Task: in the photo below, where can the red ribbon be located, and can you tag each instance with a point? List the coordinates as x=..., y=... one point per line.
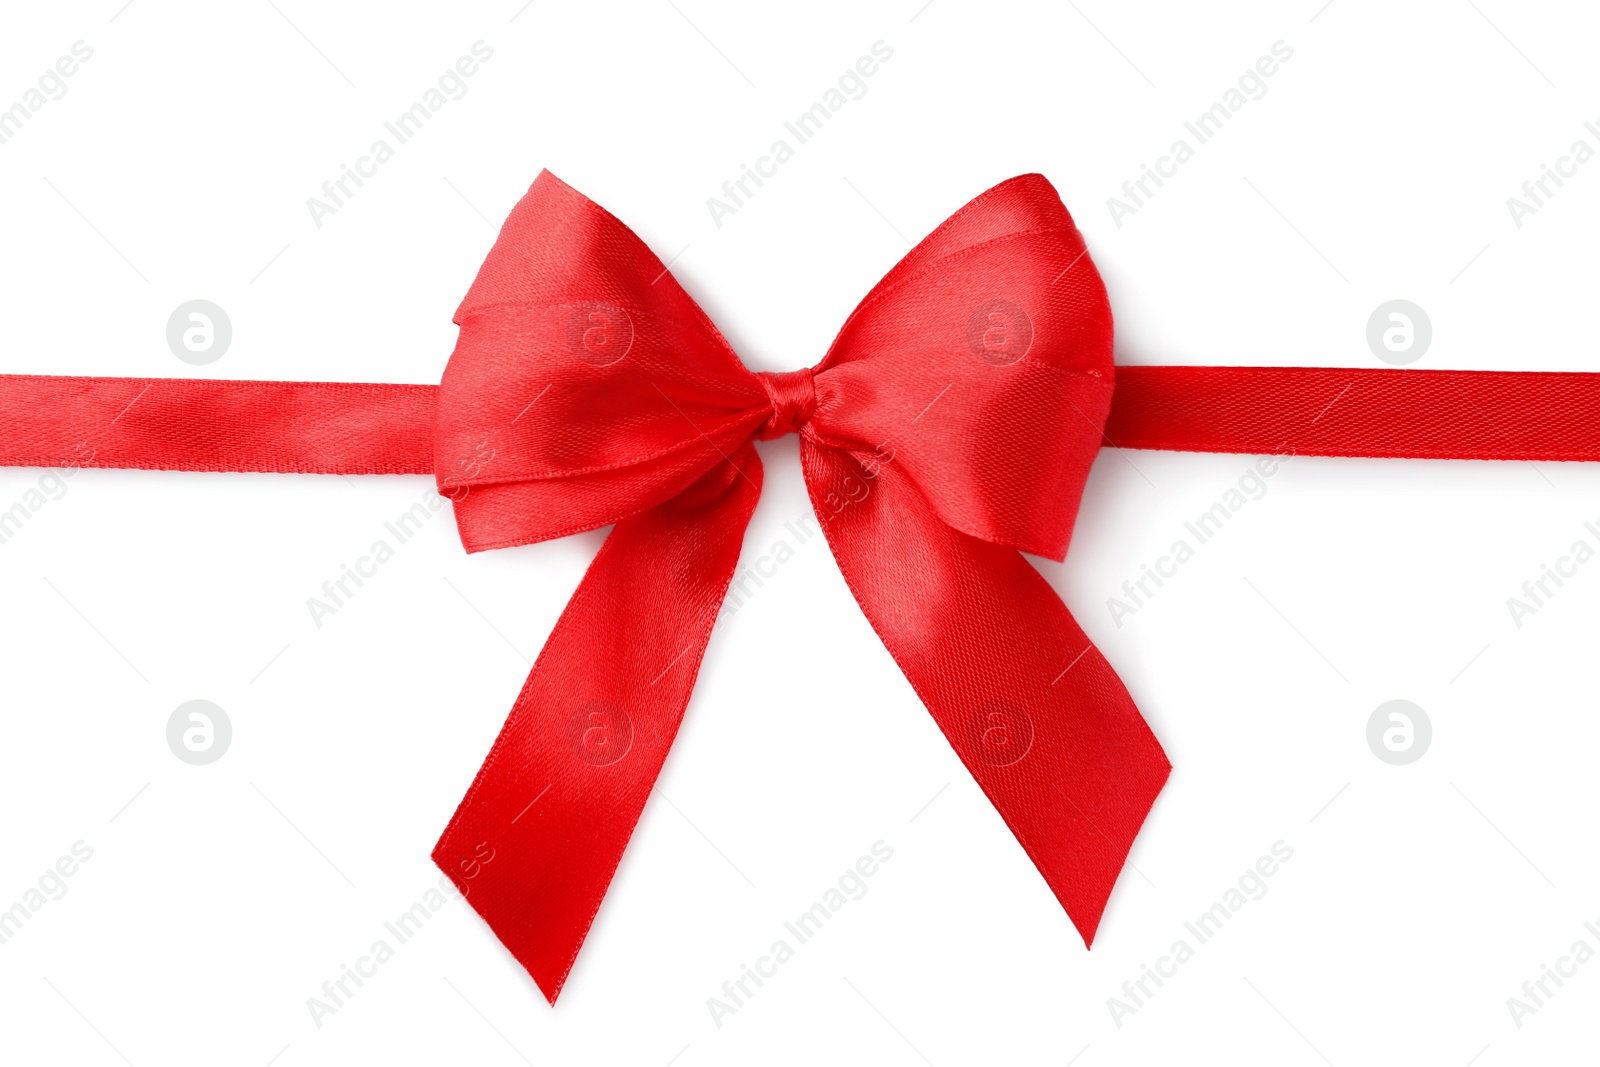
x=949, y=429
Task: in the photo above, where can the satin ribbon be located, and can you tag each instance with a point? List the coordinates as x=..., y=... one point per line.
x=950, y=428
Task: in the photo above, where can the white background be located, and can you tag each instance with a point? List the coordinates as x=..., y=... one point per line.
x=219, y=898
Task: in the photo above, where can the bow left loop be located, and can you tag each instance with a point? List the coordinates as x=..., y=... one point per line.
x=586, y=386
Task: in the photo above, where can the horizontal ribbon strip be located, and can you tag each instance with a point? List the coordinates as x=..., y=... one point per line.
x=196, y=425
x=1329, y=411
x=370, y=428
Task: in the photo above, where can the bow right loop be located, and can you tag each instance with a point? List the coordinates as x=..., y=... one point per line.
x=982, y=364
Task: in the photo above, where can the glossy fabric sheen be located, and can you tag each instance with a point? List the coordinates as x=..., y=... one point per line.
x=950, y=427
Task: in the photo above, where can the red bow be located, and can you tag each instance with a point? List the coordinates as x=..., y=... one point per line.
x=949, y=429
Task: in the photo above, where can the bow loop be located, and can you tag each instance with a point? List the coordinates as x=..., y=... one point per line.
x=585, y=386
x=981, y=366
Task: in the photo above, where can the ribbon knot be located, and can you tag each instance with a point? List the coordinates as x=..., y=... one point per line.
x=793, y=395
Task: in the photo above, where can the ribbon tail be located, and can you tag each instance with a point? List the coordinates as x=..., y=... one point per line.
x=1034, y=711
x=537, y=839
